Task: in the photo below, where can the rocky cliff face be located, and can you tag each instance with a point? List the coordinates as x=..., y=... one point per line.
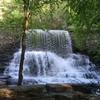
x=8, y=45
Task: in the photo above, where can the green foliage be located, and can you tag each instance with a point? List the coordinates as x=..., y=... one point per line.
x=82, y=17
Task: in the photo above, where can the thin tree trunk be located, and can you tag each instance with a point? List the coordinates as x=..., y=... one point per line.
x=23, y=44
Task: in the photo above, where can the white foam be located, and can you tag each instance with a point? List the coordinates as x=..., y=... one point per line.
x=47, y=67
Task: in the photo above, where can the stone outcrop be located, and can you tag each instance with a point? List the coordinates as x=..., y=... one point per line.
x=40, y=92
x=8, y=45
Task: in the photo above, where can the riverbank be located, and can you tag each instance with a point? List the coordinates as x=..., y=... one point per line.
x=44, y=92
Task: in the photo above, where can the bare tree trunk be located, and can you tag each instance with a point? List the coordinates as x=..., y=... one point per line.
x=23, y=44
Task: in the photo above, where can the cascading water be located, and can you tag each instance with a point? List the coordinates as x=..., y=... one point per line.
x=49, y=59
x=57, y=41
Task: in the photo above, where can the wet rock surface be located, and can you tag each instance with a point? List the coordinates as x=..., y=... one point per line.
x=86, y=88
x=4, y=80
x=41, y=92
x=58, y=88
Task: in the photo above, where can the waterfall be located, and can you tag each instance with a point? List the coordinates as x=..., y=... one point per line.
x=49, y=59
x=57, y=41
